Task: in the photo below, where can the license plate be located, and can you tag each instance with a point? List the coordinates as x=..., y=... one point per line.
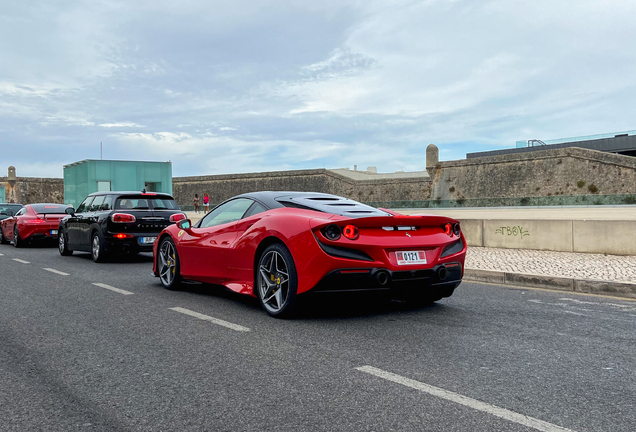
x=53, y=232
x=147, y=240
x=410, y=257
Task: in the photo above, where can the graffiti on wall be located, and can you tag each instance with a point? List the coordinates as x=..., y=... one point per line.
x=513, y=231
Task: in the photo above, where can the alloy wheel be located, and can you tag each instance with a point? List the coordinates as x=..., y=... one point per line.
x=167, y=263
x=273, y=281
x=60, y=242
x=96, y=247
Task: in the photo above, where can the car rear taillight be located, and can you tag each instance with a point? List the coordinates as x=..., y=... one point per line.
x=177, y=217
x=332, y=232
x=123, y=236
x=122, y=218
x=350, y=232
x=34, y=221
x=448, y=229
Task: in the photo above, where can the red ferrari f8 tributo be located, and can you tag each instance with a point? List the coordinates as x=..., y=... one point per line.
x=279, y=245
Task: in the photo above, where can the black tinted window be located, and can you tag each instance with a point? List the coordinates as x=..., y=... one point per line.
x=9, y=207
x=97, y=203
x=49, y=208
x=84, y=205
x=108, y=202
x=132, y=202
x=164, y=204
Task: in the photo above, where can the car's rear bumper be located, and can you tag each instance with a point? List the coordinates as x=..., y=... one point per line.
x=117, y=245
x=441, y=277
x=39, y=233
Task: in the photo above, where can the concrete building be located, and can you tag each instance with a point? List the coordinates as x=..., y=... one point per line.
x=623, y=143
x=88, y=176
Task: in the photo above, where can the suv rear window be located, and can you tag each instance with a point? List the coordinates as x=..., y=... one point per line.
x=49, y=208
x=145, y=203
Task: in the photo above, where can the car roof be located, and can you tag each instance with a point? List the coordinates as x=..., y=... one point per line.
x=13, y=204
x=159, y=194
x=322, y=202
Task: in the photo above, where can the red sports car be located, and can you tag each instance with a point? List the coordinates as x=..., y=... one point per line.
x=32, y=222
x=278, y=245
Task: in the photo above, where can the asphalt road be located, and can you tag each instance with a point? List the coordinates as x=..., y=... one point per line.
x=78, y=356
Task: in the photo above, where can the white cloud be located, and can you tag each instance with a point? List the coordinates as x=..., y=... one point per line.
x=252, y=85
x=120, y=125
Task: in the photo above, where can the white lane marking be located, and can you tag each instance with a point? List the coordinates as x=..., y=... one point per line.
x=1, y=254
x=56, y=271
x=21, y=261
x=466, y=401
x=211, y=319
x=108, y=287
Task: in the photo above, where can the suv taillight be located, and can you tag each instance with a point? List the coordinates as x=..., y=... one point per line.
x=122, y=218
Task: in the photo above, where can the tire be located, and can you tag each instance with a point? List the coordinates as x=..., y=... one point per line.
x=277, y=281
x=97, y=248
x=17, y=241
x=168, y=264
x=2, y=239
x=62, y=244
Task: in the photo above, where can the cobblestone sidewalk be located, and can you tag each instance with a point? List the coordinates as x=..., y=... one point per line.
x=565, y=264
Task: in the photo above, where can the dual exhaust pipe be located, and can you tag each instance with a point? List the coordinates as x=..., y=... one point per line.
x=383, y=277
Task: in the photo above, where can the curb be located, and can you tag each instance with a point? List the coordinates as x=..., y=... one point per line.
x=555, y=283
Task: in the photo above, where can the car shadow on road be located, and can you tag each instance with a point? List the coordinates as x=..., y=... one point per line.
x=322, y=306
x=123, y=258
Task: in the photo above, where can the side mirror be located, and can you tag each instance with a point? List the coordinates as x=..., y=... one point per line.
x=184, y=224
x=69, y=211
x=9, y=213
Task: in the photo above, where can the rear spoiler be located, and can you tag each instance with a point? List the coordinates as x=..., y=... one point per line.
x=381, y=221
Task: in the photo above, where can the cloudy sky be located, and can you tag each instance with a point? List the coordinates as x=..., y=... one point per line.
x=257, y=85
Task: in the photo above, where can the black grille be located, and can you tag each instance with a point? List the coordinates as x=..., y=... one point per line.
x=341, y=252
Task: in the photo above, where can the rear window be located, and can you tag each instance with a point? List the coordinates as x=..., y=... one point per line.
x=164, y=204
x=49, y=208
x=145, y=203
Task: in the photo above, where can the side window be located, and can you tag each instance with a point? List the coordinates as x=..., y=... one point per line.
x=229, y=212
x=255, y=209
x=85, y=205
x=97, y=203
x=108, y=202
x=21, y=211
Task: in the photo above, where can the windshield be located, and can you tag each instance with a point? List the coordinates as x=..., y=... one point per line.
x=49, y=208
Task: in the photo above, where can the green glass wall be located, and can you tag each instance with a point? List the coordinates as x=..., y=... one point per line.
x=2, y=197
x=88, y=176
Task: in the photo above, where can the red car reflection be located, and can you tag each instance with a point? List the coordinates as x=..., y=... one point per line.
x=32, y=222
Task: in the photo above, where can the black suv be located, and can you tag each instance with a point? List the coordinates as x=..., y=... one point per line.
x=110, y=222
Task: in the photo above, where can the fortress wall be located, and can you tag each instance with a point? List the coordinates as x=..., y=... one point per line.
x=222, y=187
x=540, y=173
x=29, y=190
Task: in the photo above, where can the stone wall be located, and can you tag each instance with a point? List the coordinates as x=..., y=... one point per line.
x=30, y=190
x=222, y=187
x=568, y=171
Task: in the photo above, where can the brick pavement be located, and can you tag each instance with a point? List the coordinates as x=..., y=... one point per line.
x=565, y=264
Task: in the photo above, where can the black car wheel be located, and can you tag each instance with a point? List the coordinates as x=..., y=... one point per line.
x=2, y=239
x=97, y=248
x=168, y=264
x=62, y=244
x=277, y=281
x=17, y=241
